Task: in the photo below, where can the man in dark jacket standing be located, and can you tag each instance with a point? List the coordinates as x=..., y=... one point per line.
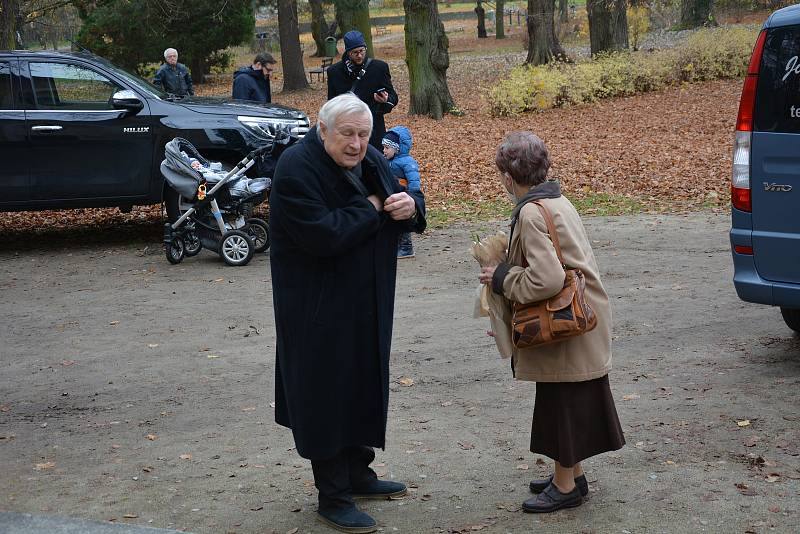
x=252, y=83
x=335, y=216
x=173, y=77
x=368, y=78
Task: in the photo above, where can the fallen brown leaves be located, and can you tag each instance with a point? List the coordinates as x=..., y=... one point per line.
x=668, y=150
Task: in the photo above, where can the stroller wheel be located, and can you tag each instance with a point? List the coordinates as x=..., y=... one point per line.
x=258, y=230
x=192, y=244
x=236, y=248
x=175, y=250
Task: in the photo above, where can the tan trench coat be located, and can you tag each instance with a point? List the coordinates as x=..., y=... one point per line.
x=576, y=359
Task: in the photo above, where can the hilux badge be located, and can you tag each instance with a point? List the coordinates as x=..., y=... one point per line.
x=141, y=129
x=783, y=188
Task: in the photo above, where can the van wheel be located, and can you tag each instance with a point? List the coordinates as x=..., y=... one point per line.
x=792, y=318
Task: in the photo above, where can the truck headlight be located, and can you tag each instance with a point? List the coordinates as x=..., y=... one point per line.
x=266, y=127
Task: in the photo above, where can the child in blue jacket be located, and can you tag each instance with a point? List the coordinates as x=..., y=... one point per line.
x=397, y=149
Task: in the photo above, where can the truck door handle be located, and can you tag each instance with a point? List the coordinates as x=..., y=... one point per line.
x=46, y=128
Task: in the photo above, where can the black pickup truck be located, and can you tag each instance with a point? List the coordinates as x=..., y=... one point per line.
x=77, y=131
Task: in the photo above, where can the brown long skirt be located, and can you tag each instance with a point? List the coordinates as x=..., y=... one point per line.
x=573, y=421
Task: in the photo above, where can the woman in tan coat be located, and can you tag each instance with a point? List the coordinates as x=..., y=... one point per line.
x=574, y=416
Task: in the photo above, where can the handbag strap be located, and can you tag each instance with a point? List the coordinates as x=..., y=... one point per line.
x=551, y=229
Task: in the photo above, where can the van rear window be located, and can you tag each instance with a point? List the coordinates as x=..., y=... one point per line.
x=778, y=93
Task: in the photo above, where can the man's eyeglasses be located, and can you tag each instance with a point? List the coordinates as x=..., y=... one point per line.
x=358, y=52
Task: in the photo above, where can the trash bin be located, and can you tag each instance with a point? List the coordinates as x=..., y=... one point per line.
x=330, y=46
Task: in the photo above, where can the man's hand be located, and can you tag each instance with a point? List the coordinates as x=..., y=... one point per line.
x=400, y=206
x=486, y=274
x=376, y=202
x=382, y=97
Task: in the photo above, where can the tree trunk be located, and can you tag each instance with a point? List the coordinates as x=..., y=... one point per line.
x=695, y=13
x=294, y=72
x=543, y=46
x=354, y=15
x=608, y=25
x=427, y=59
x=563, y=10
x=499, y=13
x=319, y=27
x=197, y=69
x=481, y=13
x=8, y=24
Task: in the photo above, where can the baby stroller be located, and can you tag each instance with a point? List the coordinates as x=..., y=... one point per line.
x=220, y=217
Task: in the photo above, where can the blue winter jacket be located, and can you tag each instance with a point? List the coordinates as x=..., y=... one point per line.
x=249, y=84
x=402, y=165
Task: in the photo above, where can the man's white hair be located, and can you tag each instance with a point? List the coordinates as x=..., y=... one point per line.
x=346, y=104
x=168, y=51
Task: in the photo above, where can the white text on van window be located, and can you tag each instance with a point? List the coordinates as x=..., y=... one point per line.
x=791, y=67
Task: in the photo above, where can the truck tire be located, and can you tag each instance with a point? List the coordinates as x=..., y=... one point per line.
x=792, y=318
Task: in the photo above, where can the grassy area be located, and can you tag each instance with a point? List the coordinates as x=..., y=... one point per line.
x=594, y=204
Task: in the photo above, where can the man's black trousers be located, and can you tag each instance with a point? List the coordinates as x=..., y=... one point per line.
x=338, y=477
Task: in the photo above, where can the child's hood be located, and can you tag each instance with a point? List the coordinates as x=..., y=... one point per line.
x=405, y=140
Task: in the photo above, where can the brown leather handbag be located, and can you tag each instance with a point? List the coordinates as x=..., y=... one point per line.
x=562, y=316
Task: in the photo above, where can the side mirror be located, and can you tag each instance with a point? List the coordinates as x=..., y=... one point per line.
x=127, y=100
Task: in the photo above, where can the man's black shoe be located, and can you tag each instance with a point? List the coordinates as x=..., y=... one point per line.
x=551, y=500
x=349, y=519
x=380, y=489
x=538, y=486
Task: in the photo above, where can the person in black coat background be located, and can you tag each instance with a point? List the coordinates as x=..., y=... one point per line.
x=369, y=79
x=335, y=216
x=252, y=83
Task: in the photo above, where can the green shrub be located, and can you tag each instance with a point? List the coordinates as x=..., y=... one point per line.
x=708, y=54
x=638, y=24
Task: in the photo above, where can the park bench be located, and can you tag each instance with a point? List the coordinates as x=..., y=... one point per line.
x=320, y=71
x=382, y=30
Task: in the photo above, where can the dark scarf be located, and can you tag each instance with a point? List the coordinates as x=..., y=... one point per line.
x=548, y=189
x=355, y=71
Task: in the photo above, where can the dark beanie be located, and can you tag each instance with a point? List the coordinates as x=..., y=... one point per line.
x=391, y=139
x=353, y=39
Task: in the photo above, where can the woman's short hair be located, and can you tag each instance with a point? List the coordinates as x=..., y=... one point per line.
x=346, y=104
x=525, y=157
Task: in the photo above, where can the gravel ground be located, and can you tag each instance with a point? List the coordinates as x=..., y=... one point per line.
x=139, y=392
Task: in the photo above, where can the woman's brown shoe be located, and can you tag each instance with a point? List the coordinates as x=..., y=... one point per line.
x=551, y=500
x=538, y=486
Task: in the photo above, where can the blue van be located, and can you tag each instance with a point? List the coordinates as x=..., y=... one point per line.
x=765, y=184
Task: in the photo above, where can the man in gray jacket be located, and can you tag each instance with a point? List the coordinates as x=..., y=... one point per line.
x=173, y=77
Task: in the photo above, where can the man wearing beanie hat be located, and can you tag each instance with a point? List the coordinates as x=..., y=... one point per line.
x=367, y=78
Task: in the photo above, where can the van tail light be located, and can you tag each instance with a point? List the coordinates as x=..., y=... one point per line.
x=739, y=249
x=740, y=179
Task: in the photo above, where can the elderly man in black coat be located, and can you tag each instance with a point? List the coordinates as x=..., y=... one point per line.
x=335, y=216
x=367, y=78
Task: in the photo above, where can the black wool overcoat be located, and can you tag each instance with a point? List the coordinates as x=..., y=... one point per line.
x=376, y=77
x=334, y=260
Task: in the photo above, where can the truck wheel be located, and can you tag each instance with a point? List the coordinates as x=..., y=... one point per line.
x=792, y=318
